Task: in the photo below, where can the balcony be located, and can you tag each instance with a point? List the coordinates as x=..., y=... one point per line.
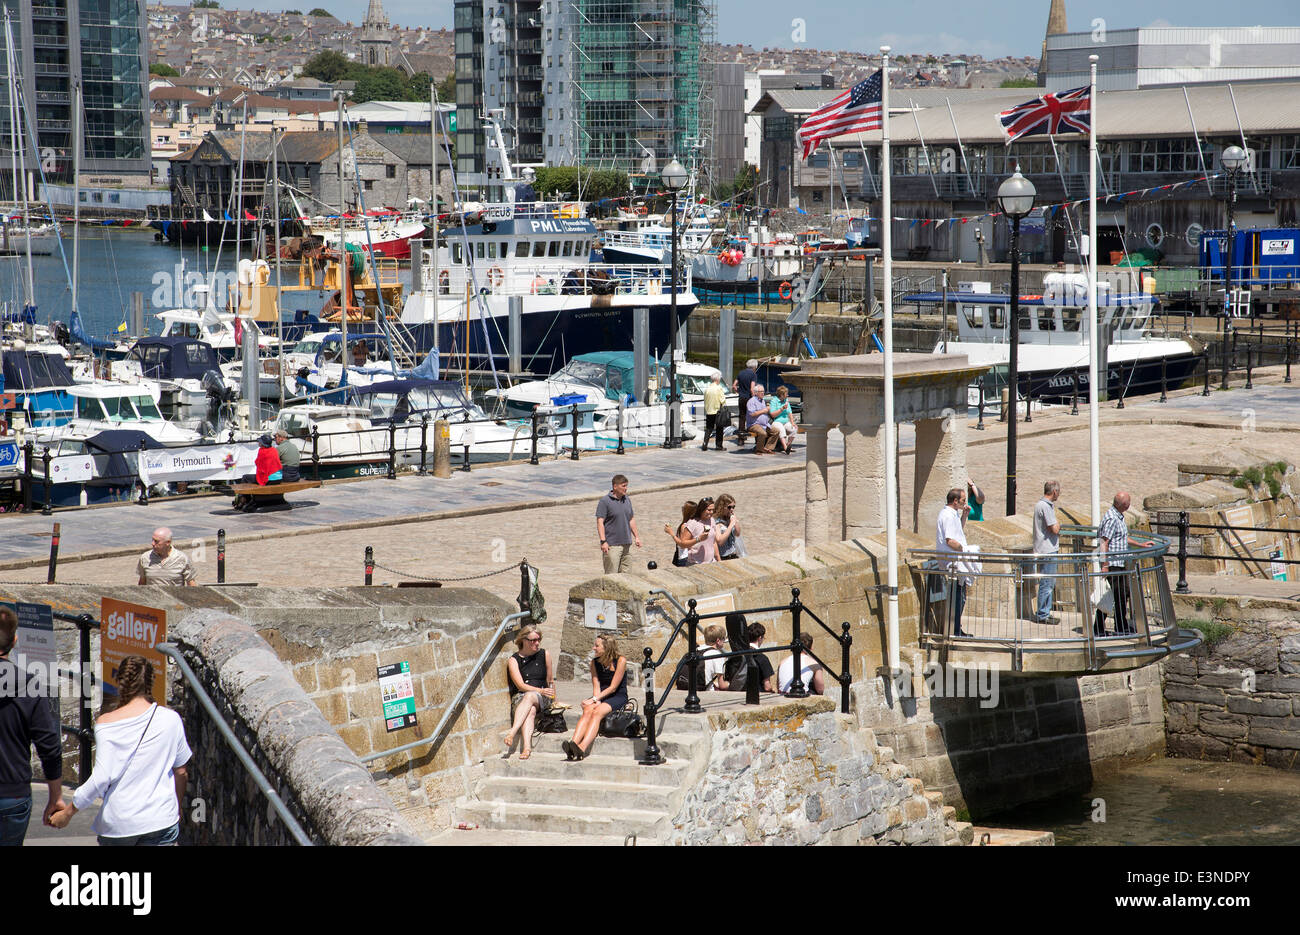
x=982, y=610
x=44, y=41
x=51, y=68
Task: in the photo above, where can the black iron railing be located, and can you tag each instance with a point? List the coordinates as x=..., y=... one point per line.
x=693, y=660
x=1230, y=534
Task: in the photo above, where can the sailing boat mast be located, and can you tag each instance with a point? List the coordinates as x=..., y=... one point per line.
x=343, y=255
x=76, y=196
x=20, y=151
x=275, y=235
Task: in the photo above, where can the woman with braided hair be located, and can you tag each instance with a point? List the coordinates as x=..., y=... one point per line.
x=140, y=757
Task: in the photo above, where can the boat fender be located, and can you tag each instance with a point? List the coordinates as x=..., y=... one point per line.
x=785, y=290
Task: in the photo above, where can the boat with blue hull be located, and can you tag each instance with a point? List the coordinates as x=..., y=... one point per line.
x=533, y=253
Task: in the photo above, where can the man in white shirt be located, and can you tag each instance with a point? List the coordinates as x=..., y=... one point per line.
x=1047, y=542
x=950, y=538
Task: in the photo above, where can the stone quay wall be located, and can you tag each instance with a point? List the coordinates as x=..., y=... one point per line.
x=1238, y=698
x=1044, y=736
x=801, y=773
x=322, y=782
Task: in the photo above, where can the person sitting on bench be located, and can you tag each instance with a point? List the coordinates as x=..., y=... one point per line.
x=290, y=457
x=269, y=470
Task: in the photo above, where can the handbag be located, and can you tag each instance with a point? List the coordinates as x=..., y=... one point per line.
x=623, y=723
x=1104, y=599
x=550, y=722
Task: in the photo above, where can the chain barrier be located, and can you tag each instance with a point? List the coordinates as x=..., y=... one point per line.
x=408, y=574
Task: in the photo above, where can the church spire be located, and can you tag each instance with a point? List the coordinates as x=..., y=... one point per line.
x=375, y=14
x=1055, y=25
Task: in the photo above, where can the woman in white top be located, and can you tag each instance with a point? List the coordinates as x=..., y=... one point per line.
x=140, y=757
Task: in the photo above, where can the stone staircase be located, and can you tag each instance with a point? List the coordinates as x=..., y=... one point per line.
x=608, y=798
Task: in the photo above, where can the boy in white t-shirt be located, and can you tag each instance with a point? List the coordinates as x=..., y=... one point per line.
x=715, y=638
x=810, y=670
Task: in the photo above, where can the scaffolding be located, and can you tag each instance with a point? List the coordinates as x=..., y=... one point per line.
x=640, y=82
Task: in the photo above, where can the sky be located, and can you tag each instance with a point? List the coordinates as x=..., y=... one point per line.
x=1012, y=27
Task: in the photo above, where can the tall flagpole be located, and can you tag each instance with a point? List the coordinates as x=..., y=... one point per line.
x=1094, y=453
x=891, y=440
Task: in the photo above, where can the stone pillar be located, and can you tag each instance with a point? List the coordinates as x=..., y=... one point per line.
x=864, y=481
x=817, y=513
x=940, y=465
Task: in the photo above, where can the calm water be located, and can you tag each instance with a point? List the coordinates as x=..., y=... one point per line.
x=114, y=263
x=1170, y=801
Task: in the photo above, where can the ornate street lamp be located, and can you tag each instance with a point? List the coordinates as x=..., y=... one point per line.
x=674, y=178
x=1016, y=199
x=1233, y=160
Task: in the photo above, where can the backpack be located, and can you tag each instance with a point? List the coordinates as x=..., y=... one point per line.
x=701, y=681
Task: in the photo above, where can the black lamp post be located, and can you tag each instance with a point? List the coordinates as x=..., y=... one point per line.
x=674, y=177
x=1016, y=199
x=1233, y=159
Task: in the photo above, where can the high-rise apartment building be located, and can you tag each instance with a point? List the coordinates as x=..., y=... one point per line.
x=101, y=45
x=610, y=84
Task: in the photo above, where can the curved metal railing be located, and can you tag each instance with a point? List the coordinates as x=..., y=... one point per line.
x=993, y=600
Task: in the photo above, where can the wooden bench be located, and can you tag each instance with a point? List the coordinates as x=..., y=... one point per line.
x=270, y=494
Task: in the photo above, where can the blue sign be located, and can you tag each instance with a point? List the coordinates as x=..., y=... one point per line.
x=9, y=455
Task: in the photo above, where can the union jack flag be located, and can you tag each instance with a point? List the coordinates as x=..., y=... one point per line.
x=849, y=111
x=1067, y=112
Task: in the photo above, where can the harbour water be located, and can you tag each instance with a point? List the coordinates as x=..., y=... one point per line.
x=1171, y=802
x=116, y=262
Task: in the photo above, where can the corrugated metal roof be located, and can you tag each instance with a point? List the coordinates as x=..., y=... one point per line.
x=1267, y=108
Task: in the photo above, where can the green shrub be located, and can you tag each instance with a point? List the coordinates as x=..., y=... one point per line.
x=1211, y=631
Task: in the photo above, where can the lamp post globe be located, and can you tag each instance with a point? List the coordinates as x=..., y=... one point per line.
x=1016, y=199
x=1233, y=158
x=674, y=178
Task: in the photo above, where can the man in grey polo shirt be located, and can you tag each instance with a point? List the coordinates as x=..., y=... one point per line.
x=1047, y=535
x=616, y=527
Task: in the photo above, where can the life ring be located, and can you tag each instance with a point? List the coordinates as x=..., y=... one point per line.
x=444, y=279
x=496, y=277
x=785, y=290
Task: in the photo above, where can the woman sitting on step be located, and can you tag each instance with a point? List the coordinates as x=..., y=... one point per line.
x=532, y=688
x=608, y=693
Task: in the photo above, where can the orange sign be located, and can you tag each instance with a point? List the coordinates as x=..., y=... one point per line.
x=8, y=401
x=132, y=630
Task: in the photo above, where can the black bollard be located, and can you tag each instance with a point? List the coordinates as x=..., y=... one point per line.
x=54, y=555
x=370, y=565
x=979, y=426
x=1287, y=378
x=315, y=452
x=29, y=452
x=1029, y=406
x=573, y=454
x=846, y=643
x=1164, y=386
x=424, y=441
x=532, y=459
x=1074, y=392
x=692, y=705
x=620, y=450
x=221, y=556
x=144, y=488
x=1206, y=391
x=465, y=467
x=46, y=509
x=392, y=451
x=1250, y=383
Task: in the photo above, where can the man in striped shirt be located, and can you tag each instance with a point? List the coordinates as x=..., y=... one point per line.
x=1112, y=543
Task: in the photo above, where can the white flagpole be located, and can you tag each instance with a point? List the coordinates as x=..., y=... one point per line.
x=1094, y=452
x=891, y=462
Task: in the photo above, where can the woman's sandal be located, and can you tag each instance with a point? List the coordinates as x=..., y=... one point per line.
x=526, y=754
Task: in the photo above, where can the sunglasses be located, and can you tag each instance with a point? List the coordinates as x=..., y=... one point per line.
x=532, y=639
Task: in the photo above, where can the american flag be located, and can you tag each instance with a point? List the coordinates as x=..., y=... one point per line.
x=1067, y=112
x=852, y=111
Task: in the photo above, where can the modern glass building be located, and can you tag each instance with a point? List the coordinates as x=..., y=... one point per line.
x=101, y=45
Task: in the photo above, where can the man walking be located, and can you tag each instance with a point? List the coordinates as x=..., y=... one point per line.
x=1112, y=543
x=26, y=720
x=163, y=564
x=616, y=527
x=714, y=397
x=1047, y=537
x=742, y=386
x=950, y=538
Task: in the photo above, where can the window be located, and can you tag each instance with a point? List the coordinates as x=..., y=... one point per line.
x=550, y=139
x=390, y=172
x=974, y=315
x=456, y=254
x=1046, y=320
x=521, y=248
x=492, y=250
x=561, y=116
x=997, y=316
x=568, y=248
x=555, y=248
x=369, y=185
x=478, y=250
x=539, y=248
x=561, y=87
x=1071, y=316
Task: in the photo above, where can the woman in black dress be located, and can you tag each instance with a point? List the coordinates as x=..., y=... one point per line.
x=532, y=688
x=608, y=693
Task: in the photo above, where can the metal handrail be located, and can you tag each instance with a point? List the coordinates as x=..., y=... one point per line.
x=172, y=651
x=475, y=673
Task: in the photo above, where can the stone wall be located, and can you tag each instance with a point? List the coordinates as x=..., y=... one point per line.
x=800, y=773
x=1042, y=738
x=1239, y=698
x=322, y=782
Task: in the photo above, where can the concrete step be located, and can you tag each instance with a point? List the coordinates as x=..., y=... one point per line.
x=562, y=819
x=577, y=791
x=599, y=767
x=674, y=745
